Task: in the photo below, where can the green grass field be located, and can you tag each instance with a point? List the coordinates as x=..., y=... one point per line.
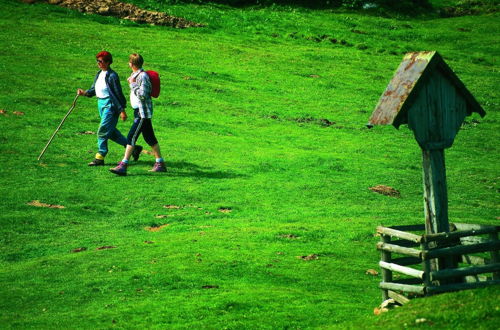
x=262, y=123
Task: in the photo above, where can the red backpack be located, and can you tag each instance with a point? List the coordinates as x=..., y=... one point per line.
x=155, y=83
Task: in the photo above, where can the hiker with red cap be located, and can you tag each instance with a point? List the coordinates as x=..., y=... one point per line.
x=111, y=105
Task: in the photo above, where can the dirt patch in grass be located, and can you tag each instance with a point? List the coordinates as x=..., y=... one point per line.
x=172, y=207
x=37, y=203
x=156, y=228
x=162, y=216
x=386, y=190
x=309, y=257
x=106, y=247
x=289, y=236
x=225, y=210
x=17, y=113
x=125, y=11
x=80, y=249
x=86, y=133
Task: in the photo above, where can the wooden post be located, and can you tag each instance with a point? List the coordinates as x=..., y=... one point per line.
x=386, y=274
x=426, y=267
x=435, y=192
x=436, y=201
x=495, y=256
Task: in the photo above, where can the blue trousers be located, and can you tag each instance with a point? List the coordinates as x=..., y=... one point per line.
x=107, y=128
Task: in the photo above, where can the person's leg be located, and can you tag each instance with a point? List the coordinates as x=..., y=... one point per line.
x=136, y=152
x=109, y=119
x=121, y=168
x=156, y=151
x=150, y=138
x=118, y=137
x=133, y=134
x=103, y=106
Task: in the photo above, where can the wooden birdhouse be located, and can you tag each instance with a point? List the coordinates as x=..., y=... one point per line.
x=428, y=96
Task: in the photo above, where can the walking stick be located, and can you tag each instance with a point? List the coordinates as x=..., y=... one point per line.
x=58, y=127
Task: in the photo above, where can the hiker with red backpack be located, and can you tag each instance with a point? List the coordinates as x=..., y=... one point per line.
x=140, y=99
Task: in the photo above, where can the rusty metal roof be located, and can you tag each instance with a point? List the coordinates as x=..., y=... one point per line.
x=411, y=74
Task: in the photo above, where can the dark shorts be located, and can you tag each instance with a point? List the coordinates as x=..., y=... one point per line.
x=142, y=126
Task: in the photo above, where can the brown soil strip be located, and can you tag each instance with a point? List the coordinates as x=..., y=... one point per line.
x=125, y=11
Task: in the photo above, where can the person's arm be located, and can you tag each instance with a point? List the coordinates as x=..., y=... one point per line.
x=141, y=86
x=89, y=92
x=117, y=89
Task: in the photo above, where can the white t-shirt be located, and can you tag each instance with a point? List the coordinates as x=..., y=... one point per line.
x=134, y=100
x=101, y=90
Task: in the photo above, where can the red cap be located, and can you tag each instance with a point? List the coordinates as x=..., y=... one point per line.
x=106, y=56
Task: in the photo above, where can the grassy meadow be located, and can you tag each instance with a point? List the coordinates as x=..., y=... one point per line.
x=264, y=218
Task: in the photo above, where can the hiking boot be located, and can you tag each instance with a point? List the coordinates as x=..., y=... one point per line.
x=120, y=169
x=97, y=162
x=136, y=152
x=159, y=167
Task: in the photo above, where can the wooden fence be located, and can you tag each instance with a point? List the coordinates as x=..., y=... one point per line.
x=474, y=248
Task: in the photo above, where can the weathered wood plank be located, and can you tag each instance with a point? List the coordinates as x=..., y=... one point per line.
x=399, y=249
x=402, y=269
x=476, y=278
x=470, y=240
x=457, y=234
x=475, y=260
x=406, y=261
x=398, y=297
x=405, y=243
x=408, y=227
x=386, y=274
x=462, y=249
x=402, y=287
x=410, y=280
x=495, y=255
x=470, y=226
x=460, y=272
x=399, y=234
x=426, y=265
x=460, y=286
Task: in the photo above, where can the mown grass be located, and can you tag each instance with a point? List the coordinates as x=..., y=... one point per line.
x=241, y=121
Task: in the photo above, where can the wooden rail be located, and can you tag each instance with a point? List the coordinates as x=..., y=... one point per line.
x=423, y=250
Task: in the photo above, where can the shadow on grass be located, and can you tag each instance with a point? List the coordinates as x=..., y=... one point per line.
x=186, y=169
